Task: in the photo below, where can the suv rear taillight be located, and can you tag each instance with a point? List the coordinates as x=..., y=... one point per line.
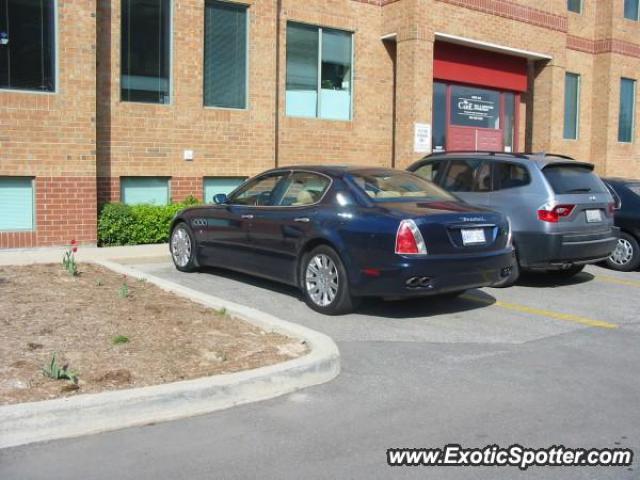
x=553, y=215
x=409, y=240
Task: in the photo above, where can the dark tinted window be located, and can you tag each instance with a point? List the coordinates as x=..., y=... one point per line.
x=225, y=55
x=146, y=40
x=510, y=175
x=573, y=179
x=27, y=45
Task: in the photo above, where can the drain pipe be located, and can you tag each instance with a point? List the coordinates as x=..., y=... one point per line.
x=277, y=106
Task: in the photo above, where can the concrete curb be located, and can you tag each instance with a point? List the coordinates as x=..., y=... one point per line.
x=93, y=413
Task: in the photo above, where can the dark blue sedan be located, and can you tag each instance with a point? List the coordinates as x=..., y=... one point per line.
x=341, y=233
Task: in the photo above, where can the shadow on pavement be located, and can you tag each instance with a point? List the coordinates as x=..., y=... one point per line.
x=377, y=307
x=548, y=280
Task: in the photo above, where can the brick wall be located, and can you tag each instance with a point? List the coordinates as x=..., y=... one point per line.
x=51, y=136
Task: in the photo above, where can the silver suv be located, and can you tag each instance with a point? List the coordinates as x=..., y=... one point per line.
x=561, y=213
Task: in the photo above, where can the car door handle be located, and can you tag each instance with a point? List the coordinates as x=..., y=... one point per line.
x=302, y=219
x=247, y=216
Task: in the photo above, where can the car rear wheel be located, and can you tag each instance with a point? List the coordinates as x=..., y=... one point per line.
x=566, y=273
x=325, y=283
x=183, y=249
x=626, y=256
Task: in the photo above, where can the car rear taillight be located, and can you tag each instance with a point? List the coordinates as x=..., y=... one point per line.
x=409, y=240
x=612, y=208
x=553, y=215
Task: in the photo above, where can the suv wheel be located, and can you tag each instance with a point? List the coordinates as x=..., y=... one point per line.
x=325, y=283
x=626, y=256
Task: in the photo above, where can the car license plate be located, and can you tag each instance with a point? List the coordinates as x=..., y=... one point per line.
x=473, y=236
x=594, y=216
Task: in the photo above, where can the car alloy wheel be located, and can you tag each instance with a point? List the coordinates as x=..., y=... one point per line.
x=322, y=280
x=181, y=247
x=623, y=253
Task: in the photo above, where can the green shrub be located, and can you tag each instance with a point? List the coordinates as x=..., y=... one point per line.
x=120, y=224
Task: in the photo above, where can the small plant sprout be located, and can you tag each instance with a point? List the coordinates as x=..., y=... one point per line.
x=123, y=291
x=99, y=283
x=69, y=261
x=120, y=339
x=56, y=372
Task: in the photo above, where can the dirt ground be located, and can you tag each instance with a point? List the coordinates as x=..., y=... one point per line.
x=45, y=310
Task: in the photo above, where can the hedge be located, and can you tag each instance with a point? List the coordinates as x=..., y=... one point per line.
x=120, y=224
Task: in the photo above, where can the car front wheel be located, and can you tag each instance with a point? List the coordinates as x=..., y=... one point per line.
x=325, y=283
x=626, y=256
x=182, y=247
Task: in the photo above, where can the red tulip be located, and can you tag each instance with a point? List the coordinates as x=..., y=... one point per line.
x=74, y=249
x=73, y=242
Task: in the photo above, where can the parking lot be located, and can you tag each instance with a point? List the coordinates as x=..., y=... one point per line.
x=538, y=364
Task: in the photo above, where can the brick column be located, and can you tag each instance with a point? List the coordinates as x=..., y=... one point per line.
x=414, y=77
x=546, y=82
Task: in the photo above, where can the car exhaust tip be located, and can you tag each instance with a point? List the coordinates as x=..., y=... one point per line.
x=415, y=283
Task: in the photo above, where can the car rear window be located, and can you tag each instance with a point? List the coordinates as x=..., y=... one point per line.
x=389, y=185
x=567, y=179
x=635, y=188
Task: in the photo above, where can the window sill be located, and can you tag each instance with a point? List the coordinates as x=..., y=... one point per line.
x=28, y=92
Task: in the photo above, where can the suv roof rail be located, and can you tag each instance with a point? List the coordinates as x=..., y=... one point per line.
x=549, y=154
x=482, y=152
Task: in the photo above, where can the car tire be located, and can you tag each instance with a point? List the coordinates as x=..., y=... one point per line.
x=182, y=246
x=626, y=256
x=567, y=273
x=513, y=277
x=325, y=283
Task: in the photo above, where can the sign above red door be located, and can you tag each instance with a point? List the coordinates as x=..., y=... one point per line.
x=457, y=63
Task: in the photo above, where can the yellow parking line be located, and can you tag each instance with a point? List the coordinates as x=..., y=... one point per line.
x=617, y=281
x=567, y=317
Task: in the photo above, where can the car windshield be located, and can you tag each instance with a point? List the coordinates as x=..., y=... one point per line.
x=573, y=179
x=393, y=186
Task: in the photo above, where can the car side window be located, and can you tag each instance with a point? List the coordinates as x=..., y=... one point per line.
x=510, y=175
x=431, y=170
x=304, y=188
x=461, y=175
x=259, y=192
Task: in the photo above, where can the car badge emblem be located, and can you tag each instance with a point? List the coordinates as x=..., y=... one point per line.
x=473, y=219
x=593, y=198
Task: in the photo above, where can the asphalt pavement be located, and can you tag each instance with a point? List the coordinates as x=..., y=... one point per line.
x=540, y=364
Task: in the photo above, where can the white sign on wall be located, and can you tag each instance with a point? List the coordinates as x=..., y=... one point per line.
x=422, y=138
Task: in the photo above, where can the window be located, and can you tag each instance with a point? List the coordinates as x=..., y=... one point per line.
x=386, y=186
x=145, y=51
x=509, y=121
x=263, y=191
x=566, y=179
x=475, y=107
x=27, y=45
x=16, y=204
x=571, y=105
x=225, y=55
x=214, y=186
x=431, y=170
x=574, y=6
x=626, y=115
x=509, y=175
x=319, y=72
x=462, y=176
x=632, y=9
x=144, y=190
x=439, y=116
x=304, y=188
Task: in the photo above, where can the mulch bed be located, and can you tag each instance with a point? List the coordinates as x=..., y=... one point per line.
x=44, y=310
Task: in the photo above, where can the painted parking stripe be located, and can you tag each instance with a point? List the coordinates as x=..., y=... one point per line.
x=617, y=281
x=566, y=317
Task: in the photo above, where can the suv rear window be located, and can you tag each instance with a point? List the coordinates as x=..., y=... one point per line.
x=567, y=179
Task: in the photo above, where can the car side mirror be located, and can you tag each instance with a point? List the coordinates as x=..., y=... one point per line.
x=220, y=198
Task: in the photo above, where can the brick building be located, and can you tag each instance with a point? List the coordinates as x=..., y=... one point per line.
x=151, y=100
